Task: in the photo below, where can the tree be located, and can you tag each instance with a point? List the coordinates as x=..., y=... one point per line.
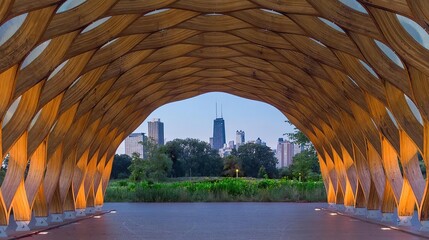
x=299, y=138
x=156, y=166
x=252, y=156
x=192, y=157
x=262, y=173
x=121, y=163
x=230, y=164
x=305, y=165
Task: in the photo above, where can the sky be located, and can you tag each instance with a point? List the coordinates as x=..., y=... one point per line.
x=193, y=118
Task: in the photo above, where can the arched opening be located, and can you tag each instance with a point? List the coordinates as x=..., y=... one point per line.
x=352, y=75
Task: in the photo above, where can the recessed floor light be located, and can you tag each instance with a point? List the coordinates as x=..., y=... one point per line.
x=385, y=228
x=42, y=233
x=333, y=214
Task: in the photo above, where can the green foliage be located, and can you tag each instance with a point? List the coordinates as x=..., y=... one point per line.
x=192, y=157
x=253, y=156
x=230, y=164
x=121, y=163
x=299, y=138
x=305, y=165
x=156, y=166
x=217, y=190
x=262, y=173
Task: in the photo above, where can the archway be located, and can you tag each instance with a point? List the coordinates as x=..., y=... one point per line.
x=78, y=76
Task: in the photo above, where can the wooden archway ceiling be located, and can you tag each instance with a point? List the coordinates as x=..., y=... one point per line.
x=70, y=121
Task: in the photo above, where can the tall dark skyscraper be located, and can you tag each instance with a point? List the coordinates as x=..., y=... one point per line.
x=156, y=131
x=218, y=133
x=219, y=138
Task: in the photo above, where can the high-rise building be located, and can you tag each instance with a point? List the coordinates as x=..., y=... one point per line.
x=211, y=142
x=284, y=153
x=239, y=138
x=231, y=144
x=156, y=131
x=133, y=144
x=219, y=138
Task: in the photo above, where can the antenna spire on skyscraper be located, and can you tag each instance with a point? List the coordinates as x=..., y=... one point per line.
x=216, y=109
x=221, y=112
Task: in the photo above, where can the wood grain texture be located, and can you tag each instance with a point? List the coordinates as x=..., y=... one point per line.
x=88, y=90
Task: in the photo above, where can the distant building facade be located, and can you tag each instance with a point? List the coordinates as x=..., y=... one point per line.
x=211, y=142
x=219, y=138
x=156, y=131
x=284, y=153
x=133, y=145
x=239, y=138
x=231, y=144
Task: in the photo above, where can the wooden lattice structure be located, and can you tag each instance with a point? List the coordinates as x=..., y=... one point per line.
x=74, y=83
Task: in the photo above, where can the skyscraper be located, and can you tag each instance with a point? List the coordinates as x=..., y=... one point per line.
x=239, y=138
x=156, y=131
x=133, y=145
x=219, y=138
x=284, y=153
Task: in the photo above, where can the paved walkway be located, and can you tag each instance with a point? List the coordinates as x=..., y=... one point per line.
x=223, y=221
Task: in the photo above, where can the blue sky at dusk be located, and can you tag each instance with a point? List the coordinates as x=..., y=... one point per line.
x=194, y=117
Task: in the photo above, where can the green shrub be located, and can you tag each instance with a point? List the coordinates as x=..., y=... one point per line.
x=216, y=190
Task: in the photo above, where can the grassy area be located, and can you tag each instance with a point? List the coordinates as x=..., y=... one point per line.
x=216, y=190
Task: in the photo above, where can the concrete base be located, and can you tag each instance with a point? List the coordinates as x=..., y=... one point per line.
x=98, y=208
x=69, y=215
x=3, y=231
x=360, y=211
x=22, y=226
x=41, y=221
x=350, y=209
x=80, y=212
x=90, y=210
x=56, y=218
x=405, y=221
x=388, y=217
x=340, y=207
x=373, y=214
x=425, y=226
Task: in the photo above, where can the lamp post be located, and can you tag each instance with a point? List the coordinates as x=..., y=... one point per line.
x=236, y=173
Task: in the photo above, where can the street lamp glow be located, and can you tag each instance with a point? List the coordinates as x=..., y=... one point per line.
x=236, y=173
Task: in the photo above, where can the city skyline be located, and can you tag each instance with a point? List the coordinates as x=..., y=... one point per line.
x=193, y=118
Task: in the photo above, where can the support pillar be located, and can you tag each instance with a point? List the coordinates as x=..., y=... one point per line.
x=22, y=226
x=56, y=217
x=388, y=217
x=98, y=208
x=3, y=233
x=69, y=214
x=405, y=221
x=41, y=221
x=80, y=212
x=373, y=214
x=90, y=210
